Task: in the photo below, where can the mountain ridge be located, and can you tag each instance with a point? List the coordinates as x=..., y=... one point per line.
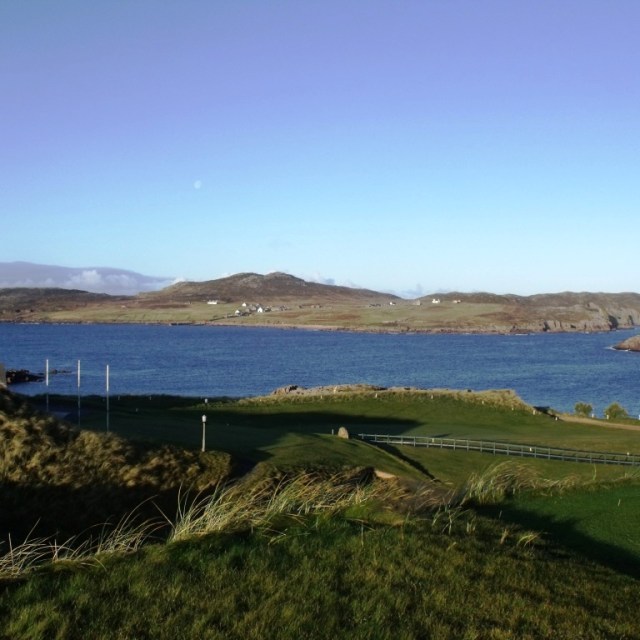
x=275, y=284
x=284, y=300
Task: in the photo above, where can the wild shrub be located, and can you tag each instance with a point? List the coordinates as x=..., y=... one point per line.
x=615, y=412
x=583, y=409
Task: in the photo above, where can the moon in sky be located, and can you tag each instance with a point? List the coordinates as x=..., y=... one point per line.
x=197, y=184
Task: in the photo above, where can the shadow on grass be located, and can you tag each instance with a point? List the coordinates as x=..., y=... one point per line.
x=566, y=532
x=397, y=452
x=62, y=512
x=248, y=433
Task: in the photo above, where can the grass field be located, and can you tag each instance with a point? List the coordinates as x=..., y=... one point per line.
x=333, y=579
x=297, y=428
x=308, y=544
x=402, y=316
x=601, y=521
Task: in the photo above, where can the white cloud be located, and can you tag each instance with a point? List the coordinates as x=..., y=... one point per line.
x=87, y=280
x=95, y=280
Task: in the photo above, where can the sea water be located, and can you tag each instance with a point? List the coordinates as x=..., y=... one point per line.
x=555, y=370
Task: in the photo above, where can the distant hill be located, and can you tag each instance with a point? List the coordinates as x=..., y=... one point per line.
x=22, y=301
x=290, y=301
x=567, y=311
x=253, y=287
x=93, y=279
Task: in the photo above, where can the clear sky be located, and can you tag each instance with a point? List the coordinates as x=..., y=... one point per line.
x=409, y=146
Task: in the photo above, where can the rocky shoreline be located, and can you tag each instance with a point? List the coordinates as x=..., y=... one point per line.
x=22, y=376
x=552, y=326
x=19, y=376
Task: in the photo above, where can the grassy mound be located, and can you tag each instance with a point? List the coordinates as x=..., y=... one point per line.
x=307, y=545
x=57, y=480
x=450, y=575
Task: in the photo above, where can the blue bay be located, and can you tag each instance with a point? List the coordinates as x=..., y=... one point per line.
x=556, y=370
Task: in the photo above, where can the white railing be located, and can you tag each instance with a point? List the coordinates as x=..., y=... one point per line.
x=507, y=449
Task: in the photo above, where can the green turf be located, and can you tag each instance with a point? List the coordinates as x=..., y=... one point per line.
x=559, y=565
x=602, y=521
x=333, y=579
x=297, y=430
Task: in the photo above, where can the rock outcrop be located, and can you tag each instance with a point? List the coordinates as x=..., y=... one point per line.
x=630, y=344
x=17, y=376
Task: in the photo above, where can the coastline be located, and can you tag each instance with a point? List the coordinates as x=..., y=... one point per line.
x=395, y=330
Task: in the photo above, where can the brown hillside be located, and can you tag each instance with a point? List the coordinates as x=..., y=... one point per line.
x=253, y=287
x=566, y=311
x=17, y=303
x=291, y=301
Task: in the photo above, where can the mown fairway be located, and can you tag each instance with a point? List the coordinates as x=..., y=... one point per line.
x=295, y=430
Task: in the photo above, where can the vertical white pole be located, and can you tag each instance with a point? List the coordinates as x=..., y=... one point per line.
x=204, y=424
x=107, y=398
x=46, y=380
x=78, y=392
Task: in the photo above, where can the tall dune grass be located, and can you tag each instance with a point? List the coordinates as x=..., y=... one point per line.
x=17, y=560
x=508, y=479
x=269, y=503
x=255, y=505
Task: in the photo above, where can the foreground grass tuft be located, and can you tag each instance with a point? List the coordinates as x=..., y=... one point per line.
x=273, y=501
x=333, y=578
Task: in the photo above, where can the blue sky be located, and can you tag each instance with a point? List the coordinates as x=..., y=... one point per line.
x=411, y=146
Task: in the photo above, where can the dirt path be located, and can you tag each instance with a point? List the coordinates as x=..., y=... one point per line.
x=599, y=423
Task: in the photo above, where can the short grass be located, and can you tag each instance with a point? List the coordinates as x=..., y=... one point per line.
x=453, y=575
x=602, y=520
x=294, y=430
x=453, y=468
x=527, y=549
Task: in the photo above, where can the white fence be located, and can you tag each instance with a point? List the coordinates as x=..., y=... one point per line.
x=507, y=449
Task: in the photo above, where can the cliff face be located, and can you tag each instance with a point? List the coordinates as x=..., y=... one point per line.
x=563, y=312
x=579, y=312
